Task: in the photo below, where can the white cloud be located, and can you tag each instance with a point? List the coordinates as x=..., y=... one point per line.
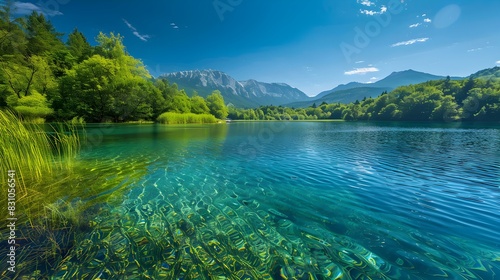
x=136, y=33
x=367, y=12
x=21, y=8
x=424, y=15
x=366, y=3
x=383, y=10
x=415, y=25
x=410, y=42
x=173, y=25
x=498, y=62
x=361, y=71
x=428, y=20
x=358, y=62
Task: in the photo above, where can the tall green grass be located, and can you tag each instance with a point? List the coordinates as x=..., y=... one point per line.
x=177, y=118
x=57, y=195
x=32, y=152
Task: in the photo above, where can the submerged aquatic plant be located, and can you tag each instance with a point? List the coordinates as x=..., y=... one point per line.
x=57, y=194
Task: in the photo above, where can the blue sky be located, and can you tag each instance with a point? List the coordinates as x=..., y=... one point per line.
x=313, y=45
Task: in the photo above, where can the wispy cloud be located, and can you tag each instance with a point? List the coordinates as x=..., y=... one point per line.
x=415, y=25
x=410, y=42
x=361, y=71
x=479, y=48
x=358, y=62
x=475, y=50
x=173, y=25
x=21, y=8
x=136, y=33
x=383, y=10
x=428, y=20
x=366, y=3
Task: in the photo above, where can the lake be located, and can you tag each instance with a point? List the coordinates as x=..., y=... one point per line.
x=296, y=200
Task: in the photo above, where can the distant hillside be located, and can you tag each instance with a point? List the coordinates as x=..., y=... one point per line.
x=441, y=100
x=343, y=96
x=249, y=93
x=357, y=91
x=491, y=73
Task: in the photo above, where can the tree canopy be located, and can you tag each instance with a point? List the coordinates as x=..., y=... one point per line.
x=43, y=77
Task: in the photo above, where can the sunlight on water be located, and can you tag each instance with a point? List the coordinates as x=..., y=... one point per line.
x=298, y=201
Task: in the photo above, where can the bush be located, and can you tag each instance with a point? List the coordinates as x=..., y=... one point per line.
x=177, y=118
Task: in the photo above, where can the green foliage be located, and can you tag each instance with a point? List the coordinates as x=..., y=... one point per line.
x=431, y=101
x=33, y=74
x=199, y=105
x=13, y=40
x=42, y=36
x=108, y=87
x=177, y=118
x=30, y=107
x=78, y=46
x=216, y=104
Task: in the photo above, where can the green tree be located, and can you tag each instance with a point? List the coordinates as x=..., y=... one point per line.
x=88, y=89
x=199, y=105
x=78, y=46
x=30, y=107
x=389, y=112
x=216, y=104
x=42, y=36
x=34, y=75
x=12, y=38
x=179, y=103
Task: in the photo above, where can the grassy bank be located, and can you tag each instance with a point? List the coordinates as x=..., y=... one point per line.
x=177, y=118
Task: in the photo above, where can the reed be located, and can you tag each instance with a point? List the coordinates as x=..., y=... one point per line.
x=177, y=118
x=32, y=152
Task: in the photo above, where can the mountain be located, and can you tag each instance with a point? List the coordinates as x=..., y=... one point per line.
x=348, y=86
x=491, y=73
x=250, y=93
x=342, y=96
x=404, y=78
x=357, y=91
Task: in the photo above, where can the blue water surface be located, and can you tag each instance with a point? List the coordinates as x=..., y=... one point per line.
x=318, y=199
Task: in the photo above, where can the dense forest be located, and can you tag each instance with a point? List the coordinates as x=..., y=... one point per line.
x=474, y=99
x=43, y=78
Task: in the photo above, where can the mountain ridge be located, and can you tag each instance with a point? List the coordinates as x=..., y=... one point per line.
x=253, y=93
x=247, y=93
x=347, y=93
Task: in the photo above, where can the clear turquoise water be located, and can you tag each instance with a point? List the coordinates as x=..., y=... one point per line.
x=305, y=200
